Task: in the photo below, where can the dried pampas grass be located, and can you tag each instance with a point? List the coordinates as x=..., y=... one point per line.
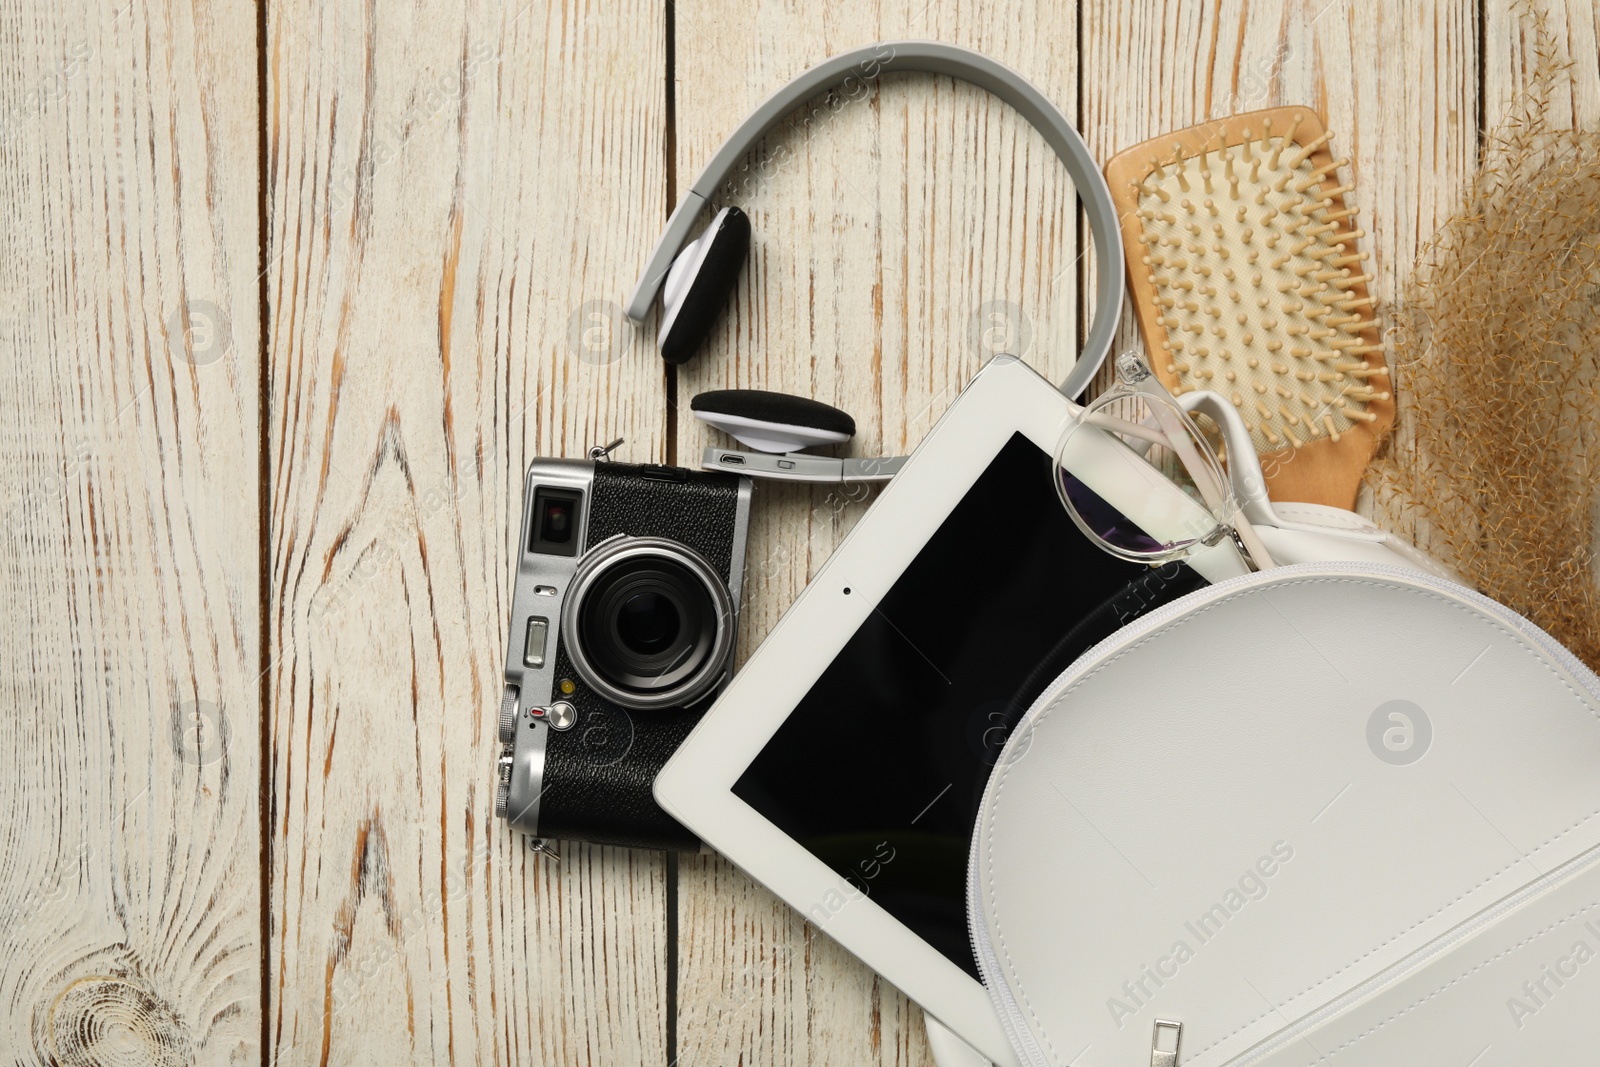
x=1497, y=340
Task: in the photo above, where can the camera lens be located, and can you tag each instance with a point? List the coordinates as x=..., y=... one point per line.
x=648, y=623
x=644, y=622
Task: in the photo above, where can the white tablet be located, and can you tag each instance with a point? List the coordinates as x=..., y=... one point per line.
x=843, y=765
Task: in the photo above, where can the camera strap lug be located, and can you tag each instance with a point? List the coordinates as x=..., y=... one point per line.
x=603, y=452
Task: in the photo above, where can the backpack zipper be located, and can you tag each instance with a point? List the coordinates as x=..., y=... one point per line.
x=1160, y=1057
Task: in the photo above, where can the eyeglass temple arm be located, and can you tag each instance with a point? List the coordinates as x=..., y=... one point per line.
x=1177, y=442
x=1127, y=428
x=1244, y=528
x=1178, y=439
x=1244, y=466
x=1140, y=431
x=1244, y=470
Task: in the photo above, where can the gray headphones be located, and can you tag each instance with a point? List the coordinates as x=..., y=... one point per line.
x=695, y=279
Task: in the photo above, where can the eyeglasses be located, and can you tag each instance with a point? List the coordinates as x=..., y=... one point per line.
x=1119, y=461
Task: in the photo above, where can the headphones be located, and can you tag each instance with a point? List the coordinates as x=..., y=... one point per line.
x=695, y=278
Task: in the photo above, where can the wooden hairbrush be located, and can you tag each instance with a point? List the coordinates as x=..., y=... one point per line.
x=1243, y=267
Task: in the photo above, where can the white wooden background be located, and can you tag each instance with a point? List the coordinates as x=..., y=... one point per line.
x=291, y=295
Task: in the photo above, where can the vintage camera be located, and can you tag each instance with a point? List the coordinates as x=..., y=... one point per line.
x=623, y=616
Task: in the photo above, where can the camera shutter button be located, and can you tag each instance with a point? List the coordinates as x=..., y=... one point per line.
x=560, y=715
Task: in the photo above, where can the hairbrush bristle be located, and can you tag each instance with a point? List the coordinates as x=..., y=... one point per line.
x=1252, y=259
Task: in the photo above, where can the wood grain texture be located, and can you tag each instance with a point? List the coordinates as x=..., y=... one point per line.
x=901, y=238
x=450, y=186
x=1508, y=51
x=130, y=629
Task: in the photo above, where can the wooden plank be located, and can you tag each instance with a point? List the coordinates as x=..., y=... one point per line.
x=903, y=238
x=450, y=186
x=129, y=861
x=1397, y=84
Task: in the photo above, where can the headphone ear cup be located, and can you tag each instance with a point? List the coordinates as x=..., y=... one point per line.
x=698, y=284
x=773, y=422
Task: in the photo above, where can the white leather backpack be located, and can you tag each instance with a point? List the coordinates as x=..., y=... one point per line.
x=1331, y=813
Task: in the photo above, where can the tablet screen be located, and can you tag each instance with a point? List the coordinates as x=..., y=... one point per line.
x=881, y=767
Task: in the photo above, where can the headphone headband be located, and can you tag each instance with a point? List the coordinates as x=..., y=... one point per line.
x=930, y=57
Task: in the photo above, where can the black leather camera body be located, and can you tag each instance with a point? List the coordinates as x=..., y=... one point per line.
x=624, y=610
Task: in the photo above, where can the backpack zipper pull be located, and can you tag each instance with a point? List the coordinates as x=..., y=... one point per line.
x=1160, y=1057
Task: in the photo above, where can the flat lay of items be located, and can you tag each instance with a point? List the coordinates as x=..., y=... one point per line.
x=1057, y=533
x=1196, y=533
x=606, y=618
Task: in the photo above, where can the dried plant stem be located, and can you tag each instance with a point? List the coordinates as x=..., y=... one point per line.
x=1497, y=344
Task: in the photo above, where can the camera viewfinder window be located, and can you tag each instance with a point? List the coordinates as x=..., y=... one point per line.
x=554, y=529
